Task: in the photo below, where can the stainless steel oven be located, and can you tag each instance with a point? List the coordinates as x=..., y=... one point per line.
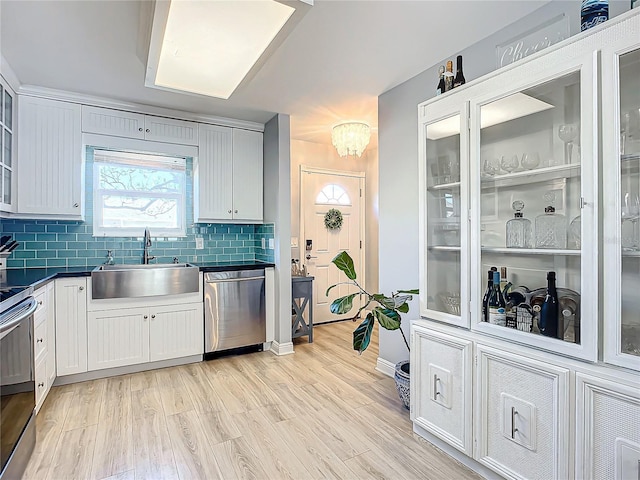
x=17, y=384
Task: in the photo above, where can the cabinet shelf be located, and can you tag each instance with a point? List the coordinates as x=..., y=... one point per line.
x=445, y=186
x=630, y=163
x=544, y=174
x=443, y=248
x=631, y=254
x=531, y=251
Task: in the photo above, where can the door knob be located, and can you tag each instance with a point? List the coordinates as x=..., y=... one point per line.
x=76, y=205
x=153, y=316
x=309, y=257
x=140, y=129
x=81, y=288
x=145, y=317
x=147, y=130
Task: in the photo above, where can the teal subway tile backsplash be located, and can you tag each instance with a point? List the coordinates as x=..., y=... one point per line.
x=57, y=243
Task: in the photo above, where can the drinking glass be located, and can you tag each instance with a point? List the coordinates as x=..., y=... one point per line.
x=509, y=164
x=490, y=167
x=630, y=212
x=568, y=133
x=530, y=160
x=434, y=173
x=444, y=167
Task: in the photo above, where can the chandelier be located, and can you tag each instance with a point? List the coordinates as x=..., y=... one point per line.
x=350, y=138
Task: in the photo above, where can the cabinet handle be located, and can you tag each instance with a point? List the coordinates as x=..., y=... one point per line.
x=40, y=302
x=145, y=317
x=229, y=211
x=147, y=130
x=76, y=205
x=140, y=129
x=435, y=386
x=153, y=316
x=235, y=211
x=81, y=288
x=638, y=469
x=514, y=412
x=40, y=340
x=41, y=384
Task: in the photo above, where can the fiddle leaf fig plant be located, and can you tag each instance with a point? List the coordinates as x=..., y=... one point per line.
x=386, y=311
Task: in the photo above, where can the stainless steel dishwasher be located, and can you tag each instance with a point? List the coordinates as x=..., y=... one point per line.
x=234, y=310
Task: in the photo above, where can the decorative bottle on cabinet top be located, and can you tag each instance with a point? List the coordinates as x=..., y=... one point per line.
x=592, y=13
x=518, y=228
x=440, y=87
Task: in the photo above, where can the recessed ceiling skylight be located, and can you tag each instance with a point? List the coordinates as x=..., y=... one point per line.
x=209, y=47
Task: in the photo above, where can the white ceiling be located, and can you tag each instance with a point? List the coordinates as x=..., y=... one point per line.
x=333, y=66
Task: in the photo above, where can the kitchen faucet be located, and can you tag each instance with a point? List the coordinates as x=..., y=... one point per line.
x=147, y=244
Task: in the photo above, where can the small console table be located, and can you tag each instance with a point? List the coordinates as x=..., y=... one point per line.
x=301, y=297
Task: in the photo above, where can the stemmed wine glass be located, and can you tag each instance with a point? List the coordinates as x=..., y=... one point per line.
x=509, y=164
x=568, y=133
x=631, y=212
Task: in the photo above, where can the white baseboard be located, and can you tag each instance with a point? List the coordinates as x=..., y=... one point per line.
x=456, y=454
x=282, y=348
x=386, y=367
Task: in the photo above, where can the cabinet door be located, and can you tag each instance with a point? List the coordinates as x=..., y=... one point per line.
x=621, y=199
x=441, y=386
x=247, y=175
x=50, y=158
x=169, y=130
x=112, y=122
x=42, y=382
x=534, y=202
x=71, y=325
x=176, y=331
x=607, y=429
x=214, y=174
x=444, y=291
x=522, y=416
x=118, y=337
x=51, y=333
x=7, y=147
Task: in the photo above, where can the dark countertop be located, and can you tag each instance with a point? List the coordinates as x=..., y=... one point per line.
x=37, y=277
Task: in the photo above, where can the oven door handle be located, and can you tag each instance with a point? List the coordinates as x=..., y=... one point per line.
x=6, y=328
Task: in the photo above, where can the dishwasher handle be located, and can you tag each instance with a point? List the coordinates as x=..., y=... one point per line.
x=231, y=280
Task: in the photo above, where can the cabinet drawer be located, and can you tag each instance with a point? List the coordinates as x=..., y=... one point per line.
x=41, y=310
x=40, y=341
x=41, y=381
x=441, y=386
x=522, y=420
x=608, y=429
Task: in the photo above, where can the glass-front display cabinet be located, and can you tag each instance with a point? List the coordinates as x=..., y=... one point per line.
x=444, y=212
x=621, y=199
x=6, y=145
x=533, y=200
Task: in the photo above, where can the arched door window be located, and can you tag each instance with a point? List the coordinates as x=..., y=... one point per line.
x=333, y=194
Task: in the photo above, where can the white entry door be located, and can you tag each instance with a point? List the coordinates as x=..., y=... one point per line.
x=321, y=191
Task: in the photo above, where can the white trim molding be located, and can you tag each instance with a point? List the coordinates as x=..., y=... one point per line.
x=282, y=348
x=386, y=367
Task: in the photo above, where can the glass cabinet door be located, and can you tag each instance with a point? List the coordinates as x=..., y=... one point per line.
x=6, y=146
x=531, y=153
x=622, y=187
x=443, y=206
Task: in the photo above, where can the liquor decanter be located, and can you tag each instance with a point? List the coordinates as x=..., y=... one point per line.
x=551, y=229
x=518, y=228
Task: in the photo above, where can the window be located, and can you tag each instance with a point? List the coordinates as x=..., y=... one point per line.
x=132, y=191
x=333, y=195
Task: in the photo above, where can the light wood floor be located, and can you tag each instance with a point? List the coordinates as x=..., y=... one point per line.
x=324, y=412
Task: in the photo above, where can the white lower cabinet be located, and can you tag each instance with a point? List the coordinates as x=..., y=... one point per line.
x=44, y=342
x=441, y=386
x=521, y=416
x=121, y=337
x=607, y=429
x=71, y=325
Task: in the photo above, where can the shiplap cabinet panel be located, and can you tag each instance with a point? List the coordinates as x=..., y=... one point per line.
x=71, y=325
x=247, y=175
x=44, y=342
x=106, y=121
x=117, y=338
x=51, y=332
x=214, y=174
x=441, y=386
x=50, y=158
x=176, y=332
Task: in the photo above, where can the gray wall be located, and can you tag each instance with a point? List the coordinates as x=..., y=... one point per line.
x=398, y=157
x=277, y=210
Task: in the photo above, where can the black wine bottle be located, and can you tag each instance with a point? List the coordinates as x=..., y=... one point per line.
x=440, y=87
x=549, y=309
x=485, y=299
x=459, y=79
x=495, y=304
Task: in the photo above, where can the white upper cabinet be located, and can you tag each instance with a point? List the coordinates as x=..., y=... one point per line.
x=50, y=180
x=228, y=175
x=118, y=123
x=621, y=199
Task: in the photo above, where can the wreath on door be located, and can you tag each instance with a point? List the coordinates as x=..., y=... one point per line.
x=333, y=219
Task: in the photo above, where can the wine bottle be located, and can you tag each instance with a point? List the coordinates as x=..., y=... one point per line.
x=485, y=299
x=448, y=77
x=503, y=280
x=495, y=304
x=440, y=87
x=549, y=309
x=592, y=13
x=459, y=79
